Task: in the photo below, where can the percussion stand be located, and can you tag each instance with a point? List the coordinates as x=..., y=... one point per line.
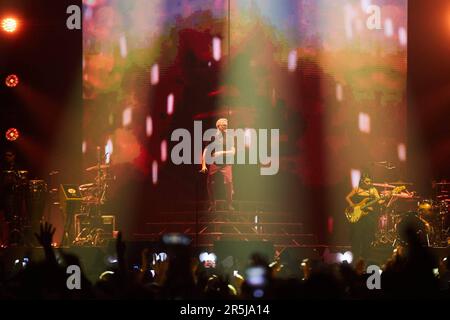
x=93, y=232
x=94, y=213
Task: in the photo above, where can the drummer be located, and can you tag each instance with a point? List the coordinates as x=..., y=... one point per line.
x=9, y=159
x=8, y=180
x=10, y=203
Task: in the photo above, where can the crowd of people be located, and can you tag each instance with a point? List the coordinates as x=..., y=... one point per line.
x=411, y=272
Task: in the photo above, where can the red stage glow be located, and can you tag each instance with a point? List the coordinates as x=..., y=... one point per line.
x=9, y=25
x=12, y=134
x=12, y=80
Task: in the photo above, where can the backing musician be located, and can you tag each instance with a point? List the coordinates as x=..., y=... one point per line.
x=11, y=195
x=8, y=183
x=363, y=231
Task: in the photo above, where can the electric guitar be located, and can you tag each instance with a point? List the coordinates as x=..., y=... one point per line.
x=359, y=210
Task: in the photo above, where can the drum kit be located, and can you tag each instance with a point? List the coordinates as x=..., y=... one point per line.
x=24, y=202
x=429, y=217
x=94, y=196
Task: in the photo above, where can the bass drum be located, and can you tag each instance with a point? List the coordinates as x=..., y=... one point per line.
x=411, y=226
x=427, y=210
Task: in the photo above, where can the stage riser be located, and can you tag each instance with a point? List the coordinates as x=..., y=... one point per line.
x=235, y=229
x=204, y=216
x=242, y=206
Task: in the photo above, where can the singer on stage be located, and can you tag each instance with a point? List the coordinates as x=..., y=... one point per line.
x=220, y=166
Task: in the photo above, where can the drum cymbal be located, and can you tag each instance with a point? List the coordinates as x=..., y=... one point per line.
x=405, y=196
x=383, y=185
x=93, y=168
x=37, y=181
x=86, y=186
x=442, y=183
x=401, y=183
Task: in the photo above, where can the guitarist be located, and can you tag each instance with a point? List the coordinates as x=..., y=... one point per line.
x=363, y=231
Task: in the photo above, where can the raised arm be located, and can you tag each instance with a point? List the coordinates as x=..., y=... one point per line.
x=45, y=239
x=348, y=198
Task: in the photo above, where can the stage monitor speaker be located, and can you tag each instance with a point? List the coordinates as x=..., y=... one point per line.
x=236, y=254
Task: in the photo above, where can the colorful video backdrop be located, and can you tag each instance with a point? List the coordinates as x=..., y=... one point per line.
x=330, y=75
